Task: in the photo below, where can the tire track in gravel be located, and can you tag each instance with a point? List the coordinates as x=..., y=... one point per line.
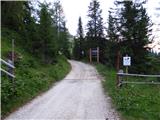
x=79, y=96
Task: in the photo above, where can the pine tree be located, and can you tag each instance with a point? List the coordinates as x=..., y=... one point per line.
x=48, y=48
x=30, y=32
x=76, y=49
x=80, y=39
x=64, y=40
x=62, y=32
x=58, y=15
x=13, y=13
x=95, y=35
x=133, y=26
x=112, y=38
x=80, y=33
x=95, y=23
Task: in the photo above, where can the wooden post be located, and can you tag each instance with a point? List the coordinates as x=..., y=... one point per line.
x=97, y=54
x=13, y=51
x=13, y=64
x=118, y=61
x=126, y=72
x=90, y=55
x=117, y=66
x=126, y=69
x=120, y=78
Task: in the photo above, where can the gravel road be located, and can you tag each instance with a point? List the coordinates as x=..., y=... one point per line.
x=79, y=96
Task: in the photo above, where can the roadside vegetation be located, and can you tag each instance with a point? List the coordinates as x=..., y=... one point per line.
x=32, y=76
x=134, y=102
x=129, y=32
x=41, y=48
x=43, y=44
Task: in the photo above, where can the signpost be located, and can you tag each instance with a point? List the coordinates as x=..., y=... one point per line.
x=126, y=62
x=121, y=75
x=94, y=52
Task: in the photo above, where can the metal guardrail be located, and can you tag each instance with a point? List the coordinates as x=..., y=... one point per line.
x=9, y=65
x=120, y=80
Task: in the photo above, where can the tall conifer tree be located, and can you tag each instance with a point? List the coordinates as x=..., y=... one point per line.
x=95, y=35
x=133, y=25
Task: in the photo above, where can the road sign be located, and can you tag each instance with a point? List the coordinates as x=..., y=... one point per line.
x=94, y=52
x=127, y=61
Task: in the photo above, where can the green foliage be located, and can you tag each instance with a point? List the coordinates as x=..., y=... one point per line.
x=30, y=32
x=36, y=43
x=12, y=14
x=129, y=28
x=61, y=30
x=43, y=34
x=32, y=75
x=64, y=41
x=154, y=64
x=48, y=46
x=77, y=49
x=79, y=43
x=95, y=23
x=95, y=28
x=134, y=102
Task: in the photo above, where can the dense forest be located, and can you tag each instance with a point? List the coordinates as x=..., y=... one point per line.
x=41, y=49
x=44, y=34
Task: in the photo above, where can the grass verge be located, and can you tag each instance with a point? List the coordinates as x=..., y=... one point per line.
x=134, y=102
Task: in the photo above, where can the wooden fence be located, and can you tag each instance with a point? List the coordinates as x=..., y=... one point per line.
x=9, y=66
x=121, y=78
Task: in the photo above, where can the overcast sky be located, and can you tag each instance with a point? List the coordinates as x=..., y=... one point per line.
x=75, y=8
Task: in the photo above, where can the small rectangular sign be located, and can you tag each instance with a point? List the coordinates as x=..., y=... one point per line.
x=94, y=51
x=127, y=61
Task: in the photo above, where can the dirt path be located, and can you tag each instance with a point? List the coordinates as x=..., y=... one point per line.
x=78, y=97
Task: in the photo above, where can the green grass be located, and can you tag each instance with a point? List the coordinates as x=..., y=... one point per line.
x=32, y=76
x=134, y=102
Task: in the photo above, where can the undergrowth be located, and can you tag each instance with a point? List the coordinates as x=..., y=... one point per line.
x=32, y=76
x=134, y=102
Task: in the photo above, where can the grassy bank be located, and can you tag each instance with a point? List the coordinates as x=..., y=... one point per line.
x=134, y=102
x=32, y=76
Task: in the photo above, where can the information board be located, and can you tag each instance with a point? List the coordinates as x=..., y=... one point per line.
x=94, y=52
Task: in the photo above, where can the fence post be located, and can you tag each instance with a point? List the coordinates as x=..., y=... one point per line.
x=90, y=55
x=119, y=78
x=118, y=61
x=97, y=54
x=13, y=80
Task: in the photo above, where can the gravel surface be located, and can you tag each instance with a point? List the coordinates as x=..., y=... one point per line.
x=78, y=97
